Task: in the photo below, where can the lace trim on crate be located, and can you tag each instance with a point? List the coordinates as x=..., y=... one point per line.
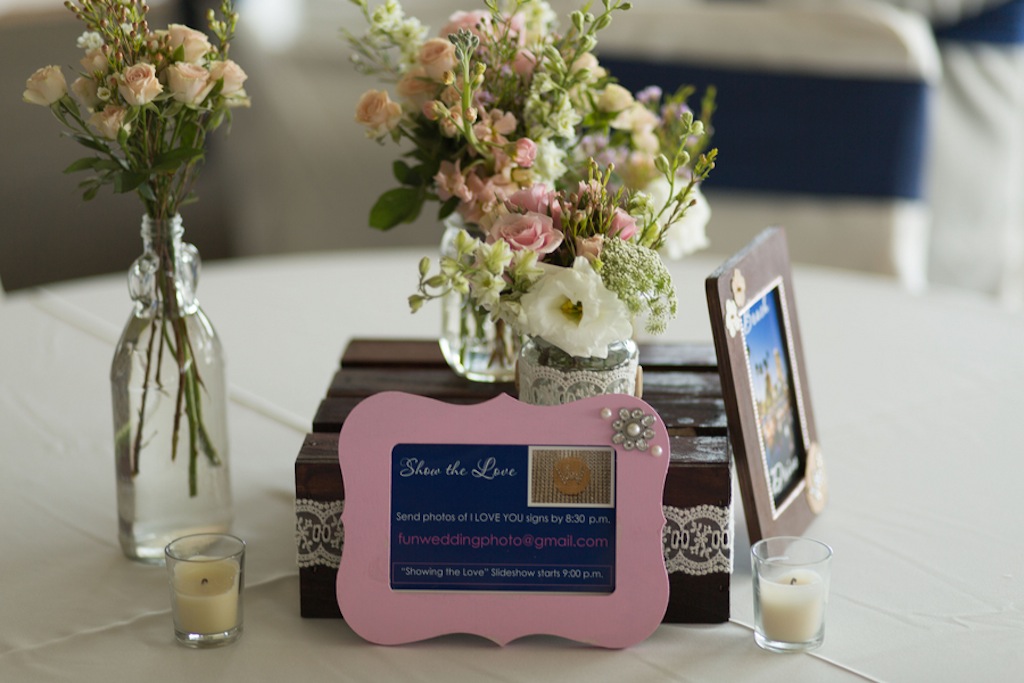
x=543, y=385
x=698, y=540
x=319, y=534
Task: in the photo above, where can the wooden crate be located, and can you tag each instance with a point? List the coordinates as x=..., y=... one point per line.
x=680, y=382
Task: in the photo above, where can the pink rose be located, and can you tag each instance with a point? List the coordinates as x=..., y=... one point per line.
x=194, y=43
x=378, y=113
x=623, y=225
x=108, y=122
x=471, y=21
x=530, y=231
x=437, y=56
x=45, y=86
x=526, y=152
x=138, y=84
x=189, y=83
x=534, y=199
x=231, y=74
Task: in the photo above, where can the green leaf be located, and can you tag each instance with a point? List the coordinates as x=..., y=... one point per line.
x=400, y=205
x=448, y=208
x=171, y=160
x=402, y=171
x=82, y=164
x=146, y=192
x=127, y=181
x=90, y=143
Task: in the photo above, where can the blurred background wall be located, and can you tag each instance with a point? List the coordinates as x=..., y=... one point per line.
x=296, y=173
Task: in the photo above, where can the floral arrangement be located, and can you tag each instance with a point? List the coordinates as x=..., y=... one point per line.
x=568, y=184
x=144, y=102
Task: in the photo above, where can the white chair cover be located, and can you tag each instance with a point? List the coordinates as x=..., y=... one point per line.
x=822, y=124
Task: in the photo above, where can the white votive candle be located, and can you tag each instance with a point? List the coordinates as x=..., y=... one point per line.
x=791, y=580
x=206, y=595
x=206, y=574
x=792, y=606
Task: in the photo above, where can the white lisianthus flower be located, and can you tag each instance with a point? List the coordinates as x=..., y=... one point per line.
x=572, y=309
x=687, y=235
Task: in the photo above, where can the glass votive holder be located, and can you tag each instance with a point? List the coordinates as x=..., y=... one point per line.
x=207, y=574
x=791, y=577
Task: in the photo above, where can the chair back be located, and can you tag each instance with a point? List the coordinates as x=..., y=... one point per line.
x=821, y=125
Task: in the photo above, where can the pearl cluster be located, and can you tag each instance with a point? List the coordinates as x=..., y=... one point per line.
x=633, y=429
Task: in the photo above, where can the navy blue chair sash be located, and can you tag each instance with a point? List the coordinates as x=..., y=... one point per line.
x=1002, y=25
x=804, y=134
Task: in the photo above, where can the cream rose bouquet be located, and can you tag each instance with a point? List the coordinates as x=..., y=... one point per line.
x=143, y=103
x=146, y=100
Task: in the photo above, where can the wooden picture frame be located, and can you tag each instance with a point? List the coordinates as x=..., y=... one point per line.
x=764, y=385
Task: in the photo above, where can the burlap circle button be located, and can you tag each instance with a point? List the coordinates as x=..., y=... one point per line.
x=571, y=475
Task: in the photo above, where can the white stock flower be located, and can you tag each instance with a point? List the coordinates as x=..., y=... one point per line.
x=90, y=40
x=687, y=235
x=572, y=309
x=549, y=165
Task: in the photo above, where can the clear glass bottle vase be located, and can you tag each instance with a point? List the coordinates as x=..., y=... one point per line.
x=473, y=345
x=170, y=403
x=550, y=376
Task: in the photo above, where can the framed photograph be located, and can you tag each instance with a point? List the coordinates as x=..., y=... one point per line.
x=764, y=384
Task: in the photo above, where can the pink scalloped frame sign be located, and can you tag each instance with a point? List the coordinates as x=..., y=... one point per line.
x=503, y=519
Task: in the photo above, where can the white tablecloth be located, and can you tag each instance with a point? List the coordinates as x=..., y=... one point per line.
x=918, y=407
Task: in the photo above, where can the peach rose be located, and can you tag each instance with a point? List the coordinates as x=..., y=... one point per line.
x=138, y=84
x=94, y=62
x=524, y=63
x=194, y=43
x=378, y=113
x=108, y=122
x=590, y=247
x=416, y=87
x=437, y=56
x=231, y=74
x=45, y=86
x=85, y=90
x=189, y=83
